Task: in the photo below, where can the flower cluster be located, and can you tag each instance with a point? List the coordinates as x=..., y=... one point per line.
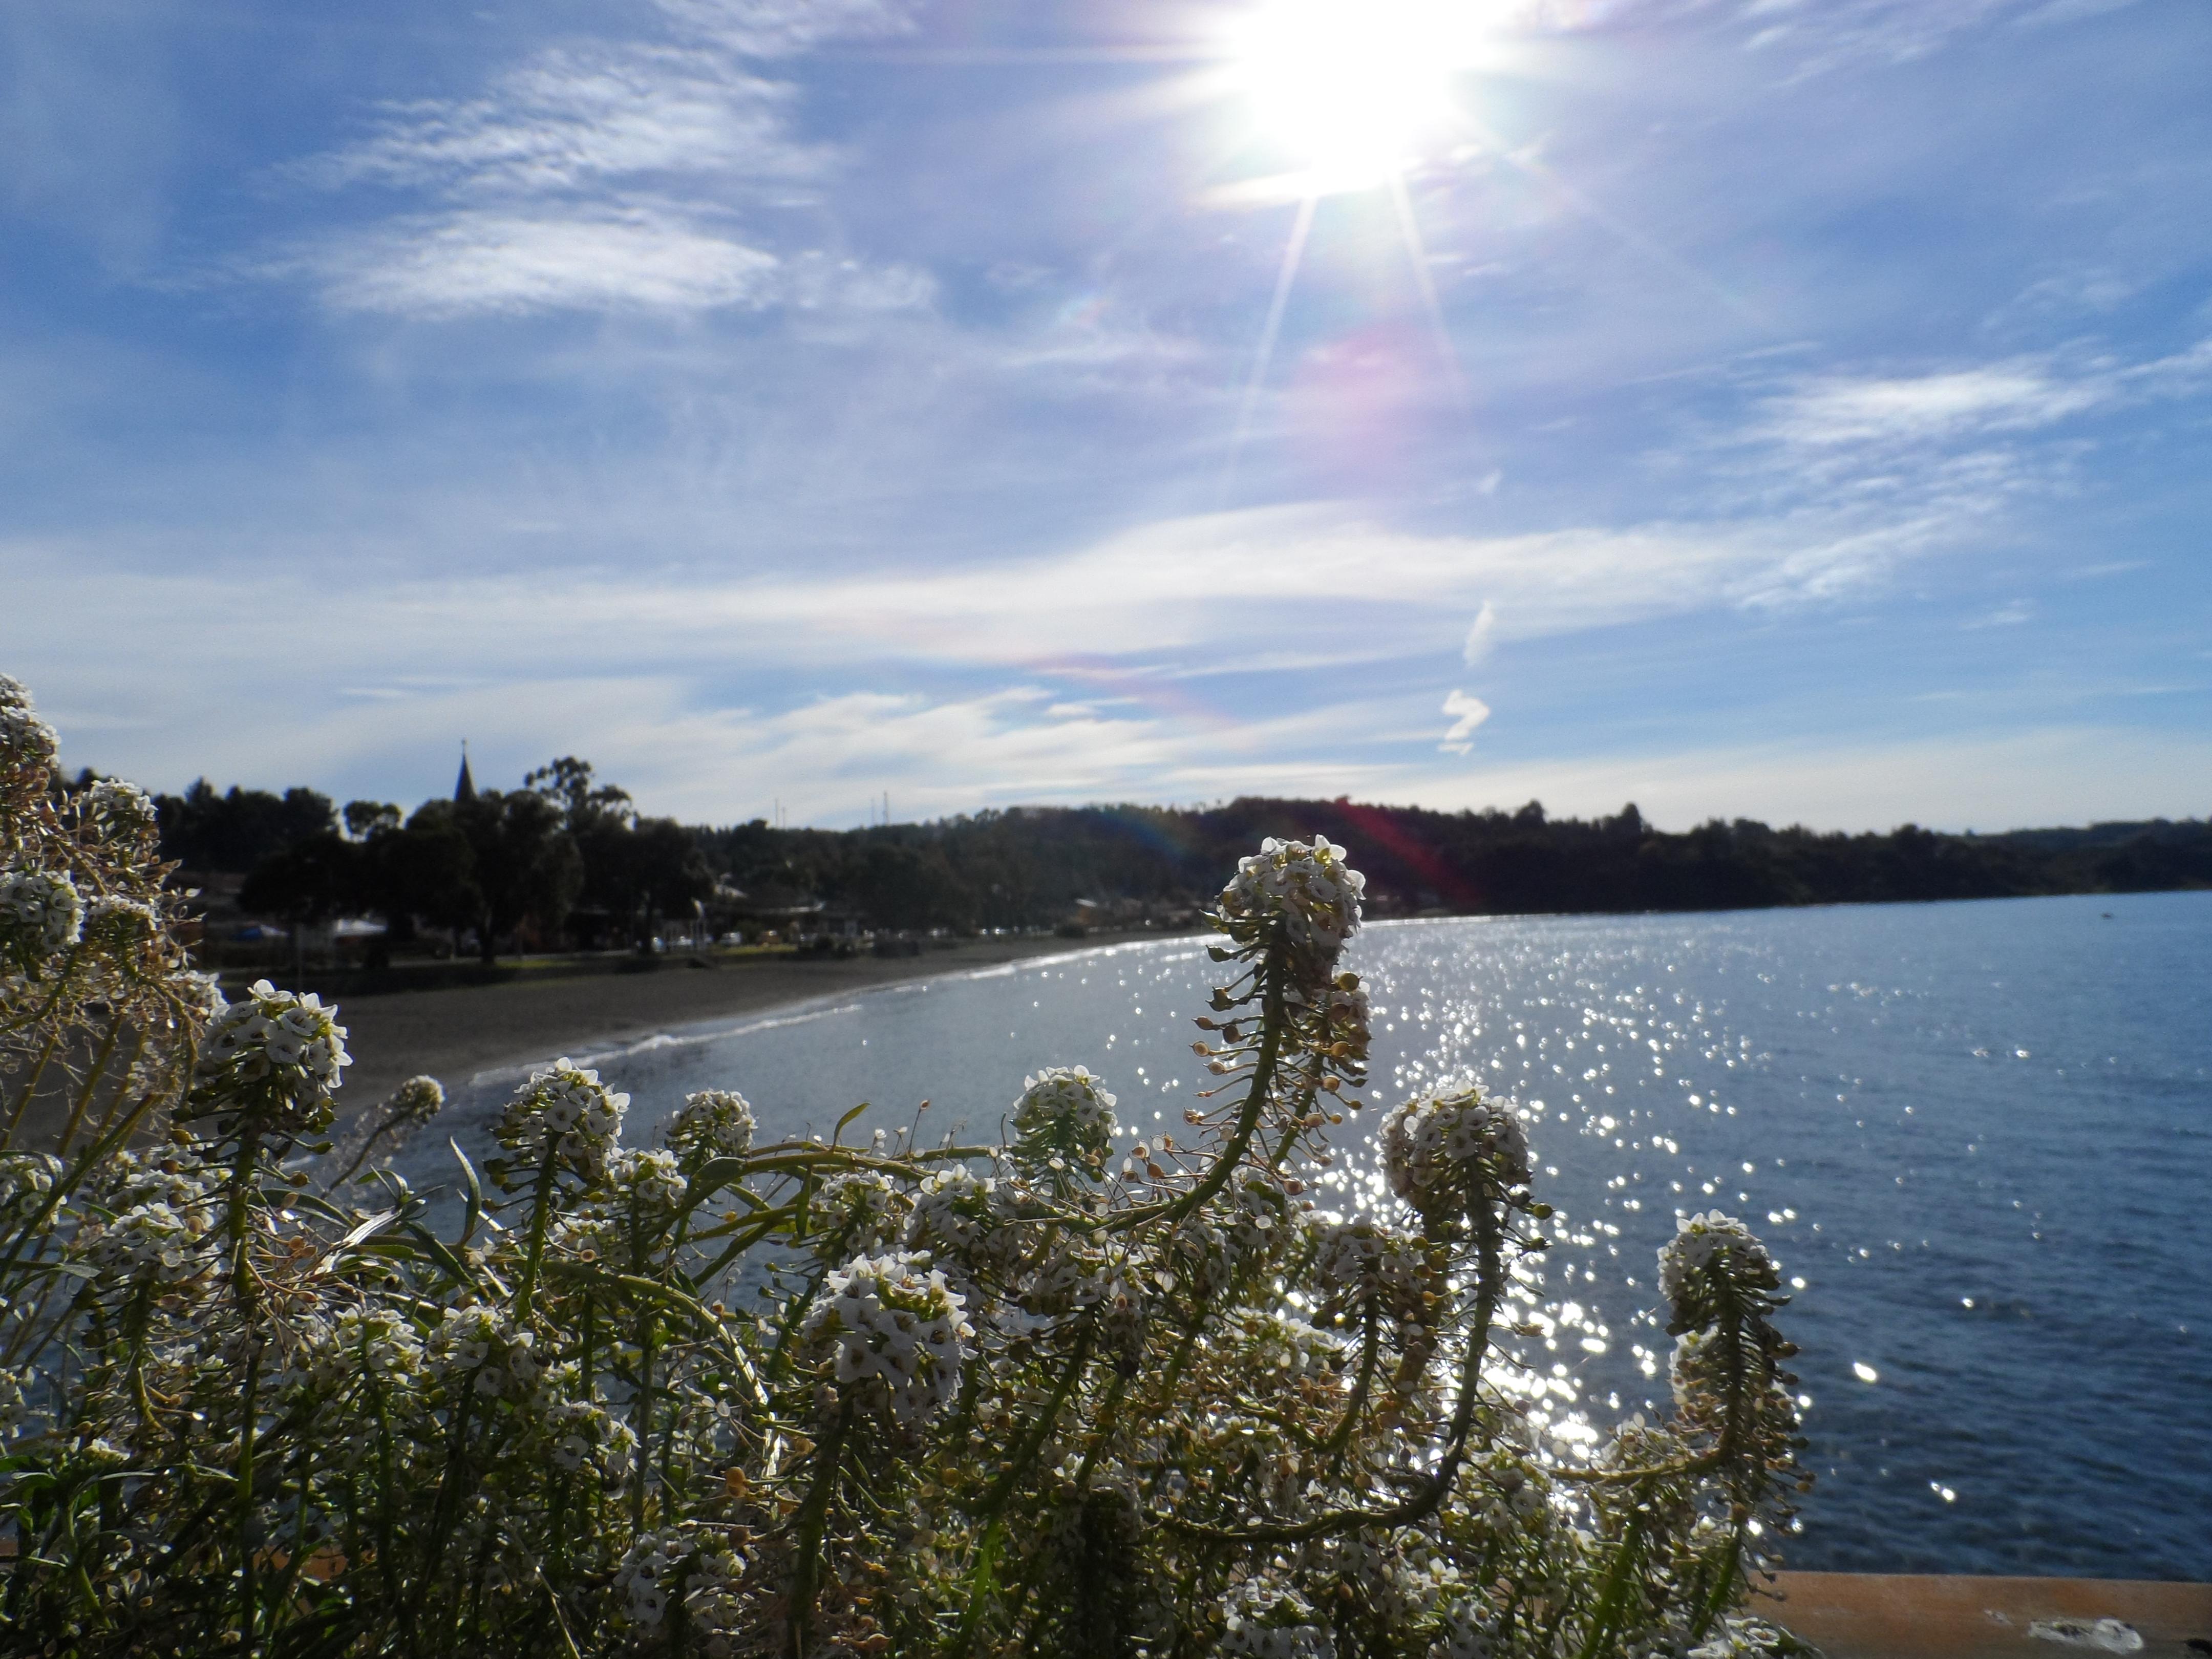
x=962, y=1219
x=481, y=1349
x=565, y=1115
x=278, y=1053
x=707, y=1573
x=27, y=1177
x=857, y=1214
x=891, y=1331
x=584, y=1435
x=375, y=1342
x=1441, y=1151
x=1064, y=1118
x=649, y=1185
x=27, y=744
x=1371, y=1265
x=1272, y=1622
x=417, y=1101
x=153, y=1244
x=711, y=1123
x=40, y=916
x=1309, y=892
x=1704, y=1243
x=120, y=812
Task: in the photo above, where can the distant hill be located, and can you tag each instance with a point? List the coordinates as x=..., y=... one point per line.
x=1049, y=865
x=1027, y=865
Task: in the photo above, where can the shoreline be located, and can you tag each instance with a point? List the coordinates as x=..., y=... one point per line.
x=458, y=1034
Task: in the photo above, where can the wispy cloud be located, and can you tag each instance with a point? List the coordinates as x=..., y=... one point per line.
x=504, y=259
x=576, y=116
x=1481, y=635
x=600, y=174
x=1916, y=408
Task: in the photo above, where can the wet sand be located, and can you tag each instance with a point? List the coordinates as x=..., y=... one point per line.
x=457, y=1032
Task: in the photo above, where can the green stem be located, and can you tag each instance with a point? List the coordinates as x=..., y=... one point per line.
x=92, y=1076
x=1274, y=1020
x=813, y=1518
x=541, y=1210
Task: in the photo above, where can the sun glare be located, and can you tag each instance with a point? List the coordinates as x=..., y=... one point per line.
x=1349, y=88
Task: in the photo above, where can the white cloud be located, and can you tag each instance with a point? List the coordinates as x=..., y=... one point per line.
x=576, y=116
x=1478, y=636
x=494, y=260
x=1468, y=712
x=601, y=175
x=776, y=28
x=2005, y=616
x=1918, y=408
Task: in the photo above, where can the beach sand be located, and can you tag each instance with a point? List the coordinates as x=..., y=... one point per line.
x=455, y=1033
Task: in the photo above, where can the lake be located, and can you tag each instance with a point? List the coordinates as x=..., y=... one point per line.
x=1979, y=1138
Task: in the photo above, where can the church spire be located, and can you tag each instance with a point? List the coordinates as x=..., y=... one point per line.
x=465, y=786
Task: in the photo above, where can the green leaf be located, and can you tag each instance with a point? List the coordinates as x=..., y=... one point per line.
x=475, y=1215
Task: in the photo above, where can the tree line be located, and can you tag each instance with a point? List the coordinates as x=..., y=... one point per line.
x=567, y=858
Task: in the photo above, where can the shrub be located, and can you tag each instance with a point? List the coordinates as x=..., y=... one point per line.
x=723, y=1396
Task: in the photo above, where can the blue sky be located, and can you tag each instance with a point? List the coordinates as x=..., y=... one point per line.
x=1798, y=410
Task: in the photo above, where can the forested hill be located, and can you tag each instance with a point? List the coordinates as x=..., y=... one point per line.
x=1033, y=864
x=568, y=857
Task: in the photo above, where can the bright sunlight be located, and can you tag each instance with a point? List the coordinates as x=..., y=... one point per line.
x=1350, y=90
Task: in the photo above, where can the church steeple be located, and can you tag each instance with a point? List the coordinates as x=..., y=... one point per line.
x=465, y=786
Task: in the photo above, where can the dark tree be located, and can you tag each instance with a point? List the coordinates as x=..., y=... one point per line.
x=524, y=863
x=424, y=870
x=309, y=882
x=236, y=831
x=364, y=818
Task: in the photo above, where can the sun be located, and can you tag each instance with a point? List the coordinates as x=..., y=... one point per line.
x=1350, y=88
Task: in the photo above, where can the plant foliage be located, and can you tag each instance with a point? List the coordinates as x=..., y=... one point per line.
x=716, y=1396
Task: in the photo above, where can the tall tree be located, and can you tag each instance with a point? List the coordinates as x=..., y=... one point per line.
x=525, y=864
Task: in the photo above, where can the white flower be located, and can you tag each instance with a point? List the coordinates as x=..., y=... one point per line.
x=1441, y=1150
x=1270, y=1623
x=714, y=1602
x=375, y=1340
x=566, y=1111
x=1308, y=891
x=120, y=811
x=1064, y=1117
x=481, y=1348
x=283, y=1049
x=651, y=1183
x=25, y=1177
x=40, y=914
x=891, y=1329
x=712, y=1123
x=1701, y=1241
x=1463, y=1636
x=1371, y=1264
x=153, y=1243
x=27, y=744
x=856, y=1214
x=649, y=1574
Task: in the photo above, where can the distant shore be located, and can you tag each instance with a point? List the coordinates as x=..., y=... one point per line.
x=459, y=1031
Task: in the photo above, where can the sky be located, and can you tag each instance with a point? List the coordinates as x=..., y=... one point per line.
x=1749, y=407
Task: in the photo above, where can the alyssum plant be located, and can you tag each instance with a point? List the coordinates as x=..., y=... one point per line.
x=723, y=1398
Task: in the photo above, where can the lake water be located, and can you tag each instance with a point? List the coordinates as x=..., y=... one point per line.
x=1978, y=1137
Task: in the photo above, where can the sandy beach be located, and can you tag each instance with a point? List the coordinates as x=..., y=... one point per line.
x=455, y=1033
